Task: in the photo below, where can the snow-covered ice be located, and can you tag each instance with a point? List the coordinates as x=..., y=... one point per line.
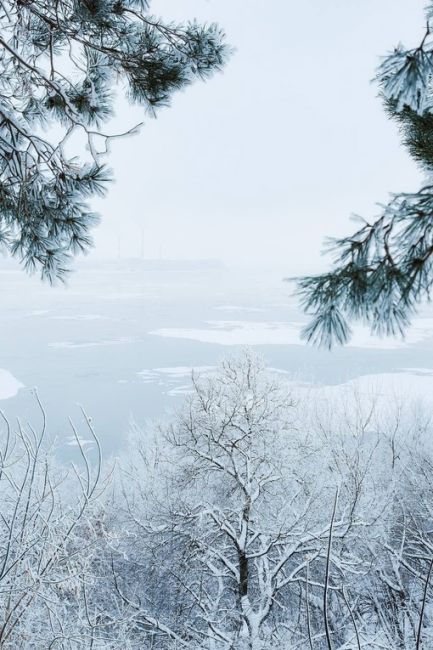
x=236, y=332
x=9, y=385
x=410, y=385
x=177, y=379
x=240, y=332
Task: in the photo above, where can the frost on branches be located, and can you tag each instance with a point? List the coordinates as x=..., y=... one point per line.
x=60, y=63
x=250, y=522
x=383, y=270
x=257, y=523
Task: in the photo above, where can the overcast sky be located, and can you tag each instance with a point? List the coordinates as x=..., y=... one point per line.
x=262, y=162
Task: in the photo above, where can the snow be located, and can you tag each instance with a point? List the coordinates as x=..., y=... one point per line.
x=9, y=385
x=409, y=384
x=73, y=442
x=236, y=332
x=184, y=389
x=416, y=383
x=174, y=380
x=420, y=330
x=240, y=332
x=172, y=374
x=175, y=376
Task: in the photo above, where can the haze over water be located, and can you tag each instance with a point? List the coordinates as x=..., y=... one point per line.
x=123, y=337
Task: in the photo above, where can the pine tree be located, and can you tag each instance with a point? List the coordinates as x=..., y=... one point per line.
x=60, y=62
x=382, y=271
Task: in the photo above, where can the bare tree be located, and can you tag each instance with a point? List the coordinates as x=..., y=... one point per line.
x=224, y=530
x=49, y=528
x=242, y=510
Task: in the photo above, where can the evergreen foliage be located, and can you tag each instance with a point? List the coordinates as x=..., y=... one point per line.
x=382, y=271
x=59, y=63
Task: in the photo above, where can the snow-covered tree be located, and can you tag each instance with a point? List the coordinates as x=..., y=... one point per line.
x=236, y=522
x=398, y=590
x=252, y=521
x=50, y=529
x=385, y=455
x=60, y=63
x=384, y=269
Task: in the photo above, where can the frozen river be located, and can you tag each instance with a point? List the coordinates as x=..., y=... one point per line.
x=122, y=338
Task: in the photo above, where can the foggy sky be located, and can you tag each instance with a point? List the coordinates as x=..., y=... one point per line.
x=261, y=163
